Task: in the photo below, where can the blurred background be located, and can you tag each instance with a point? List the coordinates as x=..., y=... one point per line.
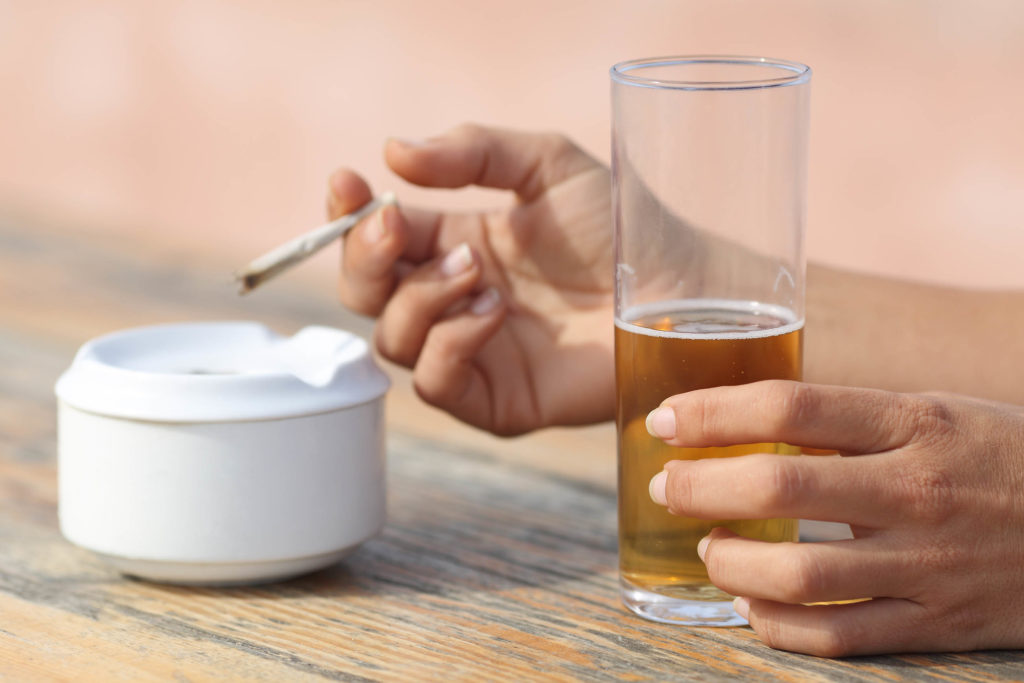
x=207, y=128
x=147, y=149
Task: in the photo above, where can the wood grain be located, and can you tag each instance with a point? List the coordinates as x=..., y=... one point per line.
x=491, y=567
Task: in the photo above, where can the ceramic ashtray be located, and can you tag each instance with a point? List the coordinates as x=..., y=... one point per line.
x=221, y=453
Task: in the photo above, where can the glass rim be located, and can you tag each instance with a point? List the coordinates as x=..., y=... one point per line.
x=797, y=73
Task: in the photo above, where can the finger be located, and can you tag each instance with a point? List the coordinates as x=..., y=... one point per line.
x=346, y=192
x=825, y=488
x=843, y=418
x=370, y=250
x=422, y=299
x=871, y=627
x=369, y=255
x=446, y=375
x=797, y=573
x=528, y=163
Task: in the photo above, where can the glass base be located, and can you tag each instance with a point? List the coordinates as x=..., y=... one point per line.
x=700, y=605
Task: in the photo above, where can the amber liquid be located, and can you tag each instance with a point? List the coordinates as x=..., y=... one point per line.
x=668, y=349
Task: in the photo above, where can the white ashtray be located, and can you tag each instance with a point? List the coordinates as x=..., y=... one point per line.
x=221, y=453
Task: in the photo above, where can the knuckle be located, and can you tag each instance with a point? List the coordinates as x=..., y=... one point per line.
x=789, y=403
x=430, y=392
x=389, y=353
x=696, y=419
x=441, y=345
x=391, y=348
x=838, y=640
x=931, y=417
x=805, y=579
x=825, y=641
x=930, y=495
x=432, y=388
x=786, y=482
x=680, y=486
x=798, y=402
x=771, y=632
x=425, y=391
x=828, y=639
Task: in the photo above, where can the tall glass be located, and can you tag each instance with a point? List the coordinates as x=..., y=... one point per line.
x=708, y=167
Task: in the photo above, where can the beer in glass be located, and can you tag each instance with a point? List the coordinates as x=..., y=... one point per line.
x=709, y=157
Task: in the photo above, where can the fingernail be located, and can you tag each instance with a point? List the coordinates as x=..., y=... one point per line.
x=486, y=302
x=702, y=547
x=657, y=488
x=742, y=607
x=458, y=260
x=661, y=422
x=376, y=229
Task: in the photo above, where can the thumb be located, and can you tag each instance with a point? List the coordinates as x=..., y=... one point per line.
x=528, y=163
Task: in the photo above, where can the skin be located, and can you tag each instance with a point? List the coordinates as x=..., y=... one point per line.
x=937, y=538
x=522, y=364
x=505, y=317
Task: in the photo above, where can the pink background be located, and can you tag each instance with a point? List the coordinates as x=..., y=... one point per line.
x=210, y=126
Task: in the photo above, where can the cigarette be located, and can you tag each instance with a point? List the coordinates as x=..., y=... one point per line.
x=297, y=250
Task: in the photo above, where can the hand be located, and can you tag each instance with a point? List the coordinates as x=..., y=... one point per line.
x=505, y=317
x=931, y=485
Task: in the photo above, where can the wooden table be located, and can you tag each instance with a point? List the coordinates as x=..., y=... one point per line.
x=498, y=561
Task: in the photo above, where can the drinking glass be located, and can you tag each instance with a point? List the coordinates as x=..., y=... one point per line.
x=709, y=159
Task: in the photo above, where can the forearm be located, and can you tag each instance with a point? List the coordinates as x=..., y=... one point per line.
x=872, y=331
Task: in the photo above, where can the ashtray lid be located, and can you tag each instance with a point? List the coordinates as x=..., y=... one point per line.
x=220, y=372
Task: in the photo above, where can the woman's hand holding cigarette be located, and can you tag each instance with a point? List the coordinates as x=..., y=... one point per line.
x=505, y=317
